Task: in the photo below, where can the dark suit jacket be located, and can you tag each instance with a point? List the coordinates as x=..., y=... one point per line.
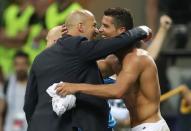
x=71, y=59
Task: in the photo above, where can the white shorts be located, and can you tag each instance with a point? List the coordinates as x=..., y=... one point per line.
x=157, y=126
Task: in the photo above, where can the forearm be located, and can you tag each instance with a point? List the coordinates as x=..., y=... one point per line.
x=157, y=43
x=108, y=91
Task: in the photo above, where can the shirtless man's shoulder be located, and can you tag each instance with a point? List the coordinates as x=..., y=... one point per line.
x=138, y=57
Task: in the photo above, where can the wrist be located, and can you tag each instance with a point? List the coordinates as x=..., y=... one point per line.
x=78, y=89
x=163, y=28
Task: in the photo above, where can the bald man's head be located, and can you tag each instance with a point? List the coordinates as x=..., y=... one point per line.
x=76, y=17
x=53, y=35
x=81, y=22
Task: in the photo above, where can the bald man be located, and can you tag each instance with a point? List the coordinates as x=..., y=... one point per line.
x=73, y=59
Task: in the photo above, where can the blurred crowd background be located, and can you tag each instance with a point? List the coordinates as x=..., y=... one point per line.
x=23, y=28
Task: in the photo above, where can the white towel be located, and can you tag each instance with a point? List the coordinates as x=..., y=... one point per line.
x=60, y=104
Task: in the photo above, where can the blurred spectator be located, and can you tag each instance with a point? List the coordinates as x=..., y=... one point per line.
x=180, y=12
x=15, y=91
x=156, y=45
x=151, y=17
x=25, y=26
x=155, y=50
x=186, y=95
x=2, y=101
x=178, y=76
x=178, y=37
x=14, y=32
x=59, y=10
x=47, y=14
x=65, y=3
x=36, y=38
x=3, y=5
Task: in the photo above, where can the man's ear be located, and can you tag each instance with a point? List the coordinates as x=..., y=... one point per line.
x=81, y=27
x=121, y=30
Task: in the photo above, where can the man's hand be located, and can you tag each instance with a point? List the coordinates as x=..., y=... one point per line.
x=55, y=33
x=64, y=89
x=148, y=31
x=64, y=30
x=165, y=22
x=60, y=31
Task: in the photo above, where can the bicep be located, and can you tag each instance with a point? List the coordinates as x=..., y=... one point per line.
x=102, y=65
x=105, y=68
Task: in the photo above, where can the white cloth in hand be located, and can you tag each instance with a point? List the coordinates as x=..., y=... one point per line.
x=60, y=104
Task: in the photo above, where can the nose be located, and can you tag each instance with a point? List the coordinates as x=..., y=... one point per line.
x=96, y=31
x=100, y=30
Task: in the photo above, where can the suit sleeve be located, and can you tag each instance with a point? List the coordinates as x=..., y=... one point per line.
x=31, y=96
x=94, y=50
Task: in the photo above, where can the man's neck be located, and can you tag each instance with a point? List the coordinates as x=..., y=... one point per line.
x=22, y=81
x=123, y=52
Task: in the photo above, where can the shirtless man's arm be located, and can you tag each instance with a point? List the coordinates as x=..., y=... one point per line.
x=126, y=78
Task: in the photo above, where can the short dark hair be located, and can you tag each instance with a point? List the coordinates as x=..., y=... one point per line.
x=122, y=17
x=23, y=54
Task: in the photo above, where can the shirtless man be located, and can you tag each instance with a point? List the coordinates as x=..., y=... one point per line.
x=137, y=82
